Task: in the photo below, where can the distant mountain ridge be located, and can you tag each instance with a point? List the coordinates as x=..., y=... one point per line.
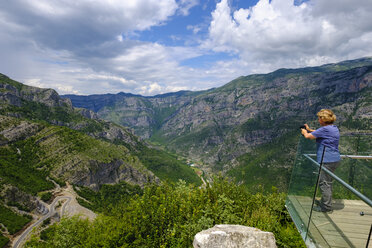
x=144, y=114
x=220, y=126
x=97, y=101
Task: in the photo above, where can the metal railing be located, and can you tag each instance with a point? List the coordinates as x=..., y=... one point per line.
x=350, y=222
x=354, y=191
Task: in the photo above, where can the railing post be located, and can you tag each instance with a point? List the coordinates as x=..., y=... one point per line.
x=369, y=236
x=316, y=189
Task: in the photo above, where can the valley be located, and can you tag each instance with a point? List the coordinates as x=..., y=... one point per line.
x=248, y=121
x=148, y=165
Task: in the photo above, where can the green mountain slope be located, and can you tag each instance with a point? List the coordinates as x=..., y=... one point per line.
x=44, y=139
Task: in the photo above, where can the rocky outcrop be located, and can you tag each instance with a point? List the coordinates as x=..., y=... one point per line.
x=87, y=113
x=13, y=196
x=234, y=236
x=114, y=132
x=10, y=95
x=13, y=93
x=48, y=97
x=18, y=131
x=98, y=173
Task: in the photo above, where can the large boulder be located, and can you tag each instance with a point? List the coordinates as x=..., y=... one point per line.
x=234, y=236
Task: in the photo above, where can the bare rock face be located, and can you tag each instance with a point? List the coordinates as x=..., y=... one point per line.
x=11, y=194
x=20, y=131
x=114, y=172
x=88, y=113
x=234, y=236
x=14, y=94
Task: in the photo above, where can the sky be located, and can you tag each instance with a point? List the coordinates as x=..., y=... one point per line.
x=150, y=47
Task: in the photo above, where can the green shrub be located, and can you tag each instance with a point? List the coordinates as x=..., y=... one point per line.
x=12, y=221
x=3, y=240
x=107, y=196
x=60, y=182
x=171, y=214
x=19, y=206
x=46, y=222
x=46, y=196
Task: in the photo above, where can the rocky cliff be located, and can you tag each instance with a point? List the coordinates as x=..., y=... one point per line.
x=229, y=121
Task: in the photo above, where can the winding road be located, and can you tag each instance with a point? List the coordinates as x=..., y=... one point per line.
x=51, y=212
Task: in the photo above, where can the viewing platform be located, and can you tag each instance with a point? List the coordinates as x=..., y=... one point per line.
x=349, y=224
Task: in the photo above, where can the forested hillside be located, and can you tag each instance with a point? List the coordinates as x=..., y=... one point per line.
x=44, y=140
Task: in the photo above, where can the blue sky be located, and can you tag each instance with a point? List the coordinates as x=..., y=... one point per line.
x=151, y=47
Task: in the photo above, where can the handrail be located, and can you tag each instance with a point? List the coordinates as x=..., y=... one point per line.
x=360, y=195
x=351, y=156
x=356, y=156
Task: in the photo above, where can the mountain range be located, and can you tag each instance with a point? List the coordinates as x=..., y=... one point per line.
x=109, y=146
x=249, y=126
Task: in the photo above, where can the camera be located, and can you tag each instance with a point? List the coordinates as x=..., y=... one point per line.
x=302, y=127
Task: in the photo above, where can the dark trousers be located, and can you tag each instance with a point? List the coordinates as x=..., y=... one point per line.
x=325, y=185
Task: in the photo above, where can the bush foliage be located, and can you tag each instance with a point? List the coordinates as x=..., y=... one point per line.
x=12, y=221
x=171, y=214
x=107, y=197
x=3, y=240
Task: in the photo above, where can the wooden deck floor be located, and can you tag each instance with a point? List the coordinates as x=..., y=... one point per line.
x=344, y=227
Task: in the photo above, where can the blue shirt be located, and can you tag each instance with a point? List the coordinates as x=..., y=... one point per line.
x=328, y=137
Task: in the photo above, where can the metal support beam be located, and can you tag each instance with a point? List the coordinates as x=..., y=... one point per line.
x=354, y=191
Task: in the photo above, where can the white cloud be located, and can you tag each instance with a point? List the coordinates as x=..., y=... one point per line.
x=282, y=34
x=90, y=47
x=186, y=5
x=152, y=88
x=195, y=29
x=85, y=44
